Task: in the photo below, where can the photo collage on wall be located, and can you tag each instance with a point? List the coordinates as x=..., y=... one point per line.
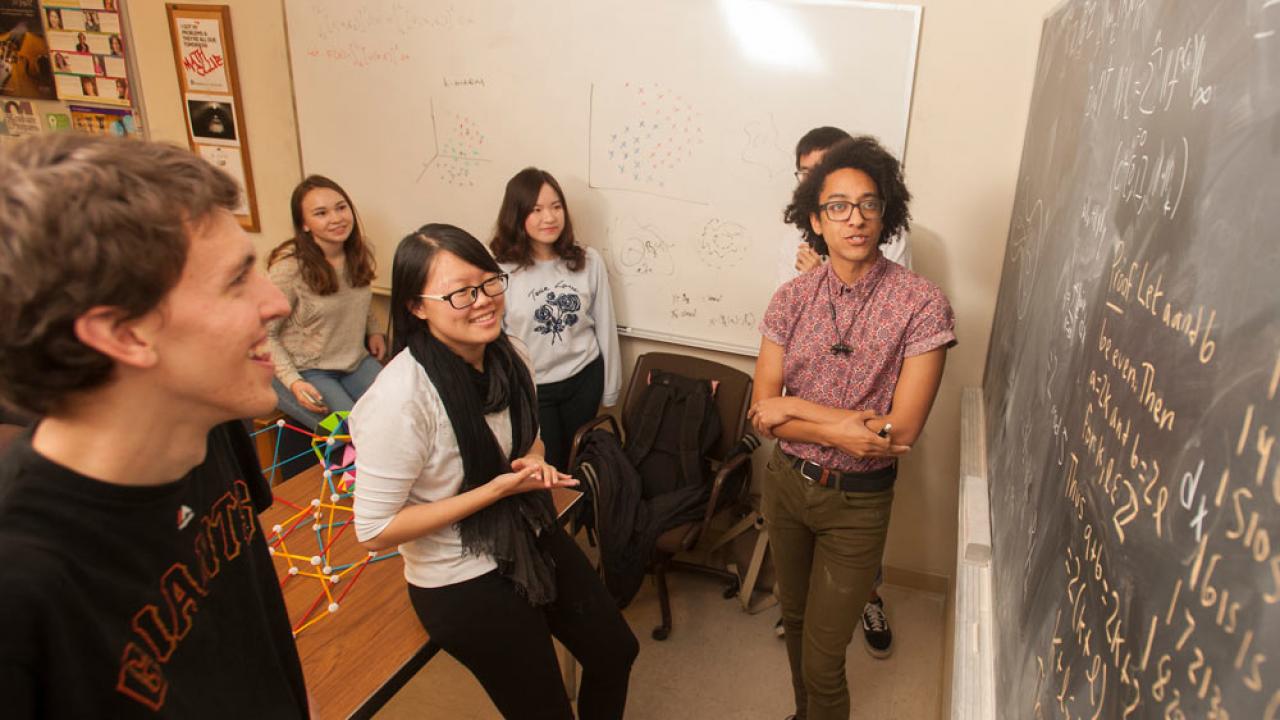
x=25, y=67
x=63, y=68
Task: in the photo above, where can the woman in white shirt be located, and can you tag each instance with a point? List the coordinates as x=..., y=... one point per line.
x=559, y=306
x=450, y=469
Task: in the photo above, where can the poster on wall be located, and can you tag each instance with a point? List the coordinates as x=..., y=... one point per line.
x=20, y=118
x=213, y=119
x=25, y=69
x=227, y=159
x=57, y=122
x=204, y=57
x=103, y=120
x=203, y=61
x=87, y=51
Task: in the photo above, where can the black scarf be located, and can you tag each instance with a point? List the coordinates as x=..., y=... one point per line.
x=506, y=530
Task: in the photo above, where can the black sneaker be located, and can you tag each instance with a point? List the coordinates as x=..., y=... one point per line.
x=875, y=630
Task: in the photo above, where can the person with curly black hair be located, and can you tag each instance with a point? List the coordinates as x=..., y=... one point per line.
x=860, y=345
x=801, y=250
x=560, y=307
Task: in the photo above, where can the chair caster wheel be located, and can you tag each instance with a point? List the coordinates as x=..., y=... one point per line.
x=730, y=591
x=661, y=633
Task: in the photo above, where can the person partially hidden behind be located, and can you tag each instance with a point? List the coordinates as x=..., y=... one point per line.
x=859, y=344
x=133, y=320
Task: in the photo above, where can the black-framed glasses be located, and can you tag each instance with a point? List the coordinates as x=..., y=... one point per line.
x=801, y=175
x=465, y=297
x=842, y=210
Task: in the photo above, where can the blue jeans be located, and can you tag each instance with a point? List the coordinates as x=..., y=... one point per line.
x=340, y=390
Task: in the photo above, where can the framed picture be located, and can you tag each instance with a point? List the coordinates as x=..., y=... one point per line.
x=204, y=57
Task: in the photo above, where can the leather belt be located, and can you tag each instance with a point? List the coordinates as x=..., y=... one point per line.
x=870, y=481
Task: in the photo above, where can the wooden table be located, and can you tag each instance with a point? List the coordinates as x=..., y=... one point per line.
x=357, y=658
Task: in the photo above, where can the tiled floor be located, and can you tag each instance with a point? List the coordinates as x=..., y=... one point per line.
x=722, y=663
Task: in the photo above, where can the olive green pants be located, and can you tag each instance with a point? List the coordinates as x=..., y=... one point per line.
x=826, y=546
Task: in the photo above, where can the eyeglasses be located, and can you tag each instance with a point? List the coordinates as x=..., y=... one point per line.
x=465, y=297
x=801, y=175
x=842, y=210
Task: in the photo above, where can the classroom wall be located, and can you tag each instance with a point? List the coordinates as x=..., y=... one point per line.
x=266, y=93
x=973, y=87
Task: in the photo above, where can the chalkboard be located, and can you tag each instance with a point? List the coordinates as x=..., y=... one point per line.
x=670, y=123
x=1131, y=382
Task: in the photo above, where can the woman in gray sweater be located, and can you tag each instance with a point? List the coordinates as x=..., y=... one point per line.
x=328, y=350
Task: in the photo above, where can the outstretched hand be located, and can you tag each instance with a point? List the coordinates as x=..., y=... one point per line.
x=542, y=475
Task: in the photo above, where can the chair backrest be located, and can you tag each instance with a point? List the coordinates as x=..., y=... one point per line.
x=733, y=392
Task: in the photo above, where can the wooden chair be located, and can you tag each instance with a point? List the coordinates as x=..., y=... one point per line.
x=732, y=398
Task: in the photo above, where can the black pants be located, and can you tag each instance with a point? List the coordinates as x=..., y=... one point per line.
x=506, y=642
x=565, y=406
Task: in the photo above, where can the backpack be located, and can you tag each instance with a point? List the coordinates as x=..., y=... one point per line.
x=671, y=432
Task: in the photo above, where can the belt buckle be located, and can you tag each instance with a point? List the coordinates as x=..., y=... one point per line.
x=804, y=467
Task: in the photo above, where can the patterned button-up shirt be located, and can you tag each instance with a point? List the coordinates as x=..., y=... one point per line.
x=887, y=315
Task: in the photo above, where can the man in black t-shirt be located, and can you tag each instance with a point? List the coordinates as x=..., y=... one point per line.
x=134, y=576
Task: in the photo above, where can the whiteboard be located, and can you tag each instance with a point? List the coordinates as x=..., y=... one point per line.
x=670, y=124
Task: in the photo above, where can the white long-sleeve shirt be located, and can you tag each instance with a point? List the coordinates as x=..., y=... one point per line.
x=407, y=454
x=565, y=319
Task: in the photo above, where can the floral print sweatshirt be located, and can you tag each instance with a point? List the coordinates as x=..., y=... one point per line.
x=566, y=320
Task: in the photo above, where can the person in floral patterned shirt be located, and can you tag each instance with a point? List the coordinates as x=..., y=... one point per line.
x=860, y=345
x=559, y=305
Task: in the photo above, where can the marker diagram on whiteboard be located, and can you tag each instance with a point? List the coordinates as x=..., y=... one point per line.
x=458, y=146
x=762, y=151
x=722, y=244
x=637, y=250
x=645, y=138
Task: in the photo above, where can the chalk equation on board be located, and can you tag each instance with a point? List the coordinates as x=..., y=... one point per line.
x=1133, y=404
x=1025, y=241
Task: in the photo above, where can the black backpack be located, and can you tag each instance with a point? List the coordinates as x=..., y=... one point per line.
x=670, y=433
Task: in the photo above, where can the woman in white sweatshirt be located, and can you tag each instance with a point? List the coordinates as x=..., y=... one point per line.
x=558, y=303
